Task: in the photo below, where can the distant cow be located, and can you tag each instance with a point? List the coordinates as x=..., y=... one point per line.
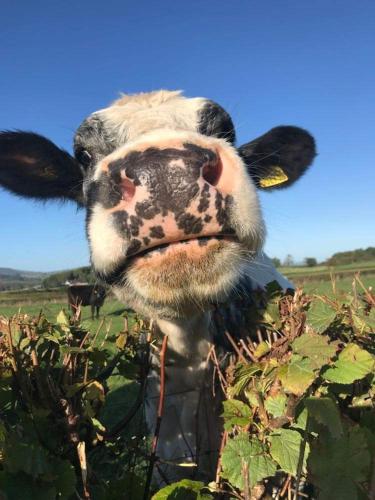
x=87, y=295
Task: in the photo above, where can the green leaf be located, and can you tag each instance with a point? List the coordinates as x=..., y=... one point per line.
x=363, y=322
x=183, y=490
x=275, y=405
x=122, y=340
x=301, y=420
x=297, y=376
x=71, y=390
x=262, y=349
x=286, y=446
x=273, y=289
x=235, y=413
x=325, y=412
x=21, y=487
x=240, y=452
x=352, y=364
x=129, y=486
x=3, y=432
x=65, y=481
x=243, y=375
x=95, y=390
x=320, y=315
x=24, y=343
x=315, y=347
x=62, y=319
x=272, y=315
x=27, y=457
x=52, y=338
x=340, y=464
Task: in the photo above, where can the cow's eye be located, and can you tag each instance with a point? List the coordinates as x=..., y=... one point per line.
x=84, y=157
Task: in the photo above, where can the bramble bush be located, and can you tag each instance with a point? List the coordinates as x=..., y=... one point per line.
x=298, y=407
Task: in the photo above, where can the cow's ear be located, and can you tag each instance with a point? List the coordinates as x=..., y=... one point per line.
x=279, y=157
x=32, y=166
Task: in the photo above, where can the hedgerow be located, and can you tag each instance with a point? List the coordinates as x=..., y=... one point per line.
x=298, y=406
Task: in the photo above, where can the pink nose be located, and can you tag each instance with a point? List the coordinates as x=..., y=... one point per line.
x=167, y=195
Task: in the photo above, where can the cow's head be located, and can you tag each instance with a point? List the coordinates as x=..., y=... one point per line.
x=172, y=206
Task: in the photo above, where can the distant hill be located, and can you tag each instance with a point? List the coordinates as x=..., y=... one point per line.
x=15, y=279
x=352, y=256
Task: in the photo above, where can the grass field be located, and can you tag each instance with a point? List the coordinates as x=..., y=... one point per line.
x=313, y=280
x=32, y=302
x=367, y=267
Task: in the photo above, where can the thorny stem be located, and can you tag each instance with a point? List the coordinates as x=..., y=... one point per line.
x=286, y=485
x=36, y=369
x=158, y=419
x=248, y=352
x=11, y=349
x=213, y=355
x=218, y=468
x=234, y=345
x=81, y=451
x=368, y=295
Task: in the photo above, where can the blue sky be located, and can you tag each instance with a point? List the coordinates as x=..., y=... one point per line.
x=267, y=62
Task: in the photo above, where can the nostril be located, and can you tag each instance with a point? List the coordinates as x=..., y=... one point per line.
x=127, y=189
x=212, y=172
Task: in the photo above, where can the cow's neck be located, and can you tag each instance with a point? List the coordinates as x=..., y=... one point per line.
x=190, y=338
x=189, y=430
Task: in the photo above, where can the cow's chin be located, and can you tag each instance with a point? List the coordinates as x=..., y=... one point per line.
x=182, y=277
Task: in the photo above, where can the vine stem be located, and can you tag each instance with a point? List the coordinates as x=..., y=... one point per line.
x=159, y=417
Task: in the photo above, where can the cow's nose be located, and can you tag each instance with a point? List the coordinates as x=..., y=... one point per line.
x=205, y=166
x=167, y=193
x=127, y=188
x=211, y=171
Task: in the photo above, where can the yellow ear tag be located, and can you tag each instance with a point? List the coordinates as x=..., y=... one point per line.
x=276, y=176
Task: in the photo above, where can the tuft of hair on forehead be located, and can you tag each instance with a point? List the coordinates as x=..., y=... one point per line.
x=132, y=116
x=148, y=99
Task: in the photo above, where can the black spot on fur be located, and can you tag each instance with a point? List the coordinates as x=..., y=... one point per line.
x=157, y=232
x=215, y=121
x=134, y=247
x=146, y=241
x=121, y=222
x=204, y=201
x=94, y=136
x=207, y=218
x=146, y=209
x=220, y=213
x=189, y=223
x=135, y=223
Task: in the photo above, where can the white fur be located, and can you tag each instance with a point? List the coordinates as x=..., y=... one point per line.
x=107, y=247
x=134, y=116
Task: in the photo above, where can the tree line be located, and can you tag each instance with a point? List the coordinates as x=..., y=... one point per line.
x=80, y=274
x=339, y=258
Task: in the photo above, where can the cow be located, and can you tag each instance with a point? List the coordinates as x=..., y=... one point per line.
x=175, y=228
x=86, y=295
